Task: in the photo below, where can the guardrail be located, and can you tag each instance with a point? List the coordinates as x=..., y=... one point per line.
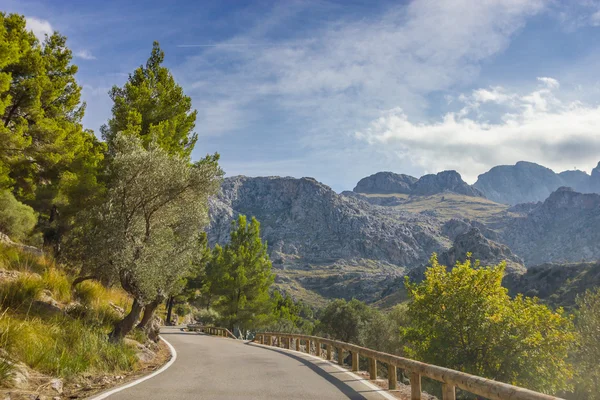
x=211, y=330
x=449, y=378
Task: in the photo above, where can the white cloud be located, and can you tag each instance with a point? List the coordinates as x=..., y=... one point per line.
x=39, y=27
x=84, y=54
x=551, y=83
x=536, y=126
x=342, y=75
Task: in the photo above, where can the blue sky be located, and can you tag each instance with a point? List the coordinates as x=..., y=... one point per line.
x=338, y=90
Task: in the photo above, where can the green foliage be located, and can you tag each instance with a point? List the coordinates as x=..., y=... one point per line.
x=465, y=320
x=13, y=258
x=152, y=106
x=17, y=220
x=89, y=292
x=63, y=346
x=345, y=321
x=289, y=315
x=207, y=317
x=587, y=355
x=21, y=292
x=58, y=283
x=240, y=275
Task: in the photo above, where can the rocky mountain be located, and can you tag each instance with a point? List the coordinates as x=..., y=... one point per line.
x=390, y=183
x=303, y=219
x=564, y=228
x=385, y=183
x=527, y=182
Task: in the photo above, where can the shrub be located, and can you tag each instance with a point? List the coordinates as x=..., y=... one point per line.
x=89, y=292
x=207, y=317
x=20, y=292
x=17, y=220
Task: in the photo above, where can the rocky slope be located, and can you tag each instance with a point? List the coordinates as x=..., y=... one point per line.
x=389, y=182
x=304, y=219
x=529, y=182
x=564, y=228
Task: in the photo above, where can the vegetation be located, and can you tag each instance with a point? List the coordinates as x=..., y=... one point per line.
x=465, y=320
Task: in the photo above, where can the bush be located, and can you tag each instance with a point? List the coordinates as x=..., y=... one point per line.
x=20, y=292
x=207, y=317
x=89, y=292
x=17, y=220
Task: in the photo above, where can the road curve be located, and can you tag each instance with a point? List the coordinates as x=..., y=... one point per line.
x=209, y=367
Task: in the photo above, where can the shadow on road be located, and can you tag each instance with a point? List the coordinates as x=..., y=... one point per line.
x=338, y=383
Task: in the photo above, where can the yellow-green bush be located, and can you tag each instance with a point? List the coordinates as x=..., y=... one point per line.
x=89, y=292
x=17, y=220
x=14, y=258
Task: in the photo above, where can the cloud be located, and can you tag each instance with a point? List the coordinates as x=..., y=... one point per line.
x=330, y=79
x=39, y=27
x=84, y=54
x=536, y=126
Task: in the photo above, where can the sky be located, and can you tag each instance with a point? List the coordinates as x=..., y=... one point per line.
x=339, y=90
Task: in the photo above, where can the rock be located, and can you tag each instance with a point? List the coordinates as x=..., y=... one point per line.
x=564, y=228
x=118, y=309
x=445, y=181
x=4, y=239
x=385, y=182
x=145, y=355
x=527, y=182
x=57, y=385
x=19, y=376
x=133, y=343
x=153, y=329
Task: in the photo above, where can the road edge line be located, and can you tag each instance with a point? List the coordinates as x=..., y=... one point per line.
x=381, y=391
x=144, y=378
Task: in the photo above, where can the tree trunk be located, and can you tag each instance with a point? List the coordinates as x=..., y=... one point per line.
x=80, y=279
x=169, y=310
x=125, y=326
x=149, y=312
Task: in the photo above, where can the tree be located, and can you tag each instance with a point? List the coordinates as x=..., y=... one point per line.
x=145, y=233
x=42, y=141
x=587, y=354
x=345, y=321
x=240, y=274
x=465, y=320
x=152, y=106
x=16, y=219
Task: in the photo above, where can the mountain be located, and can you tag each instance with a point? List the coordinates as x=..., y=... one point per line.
x=385, y=183
x=527, y=182
x=564, y=228
x=391, y=183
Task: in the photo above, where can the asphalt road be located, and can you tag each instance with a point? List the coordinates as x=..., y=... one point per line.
x=209, y=367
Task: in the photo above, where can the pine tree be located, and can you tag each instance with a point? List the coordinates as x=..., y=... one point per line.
x=152, y=105
x=240, y=274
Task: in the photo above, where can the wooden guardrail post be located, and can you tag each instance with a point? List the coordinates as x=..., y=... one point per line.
x=287, y=343
x=448, y=392
x=262, y=339
x=271, y=340
x=329, y=355
x=297, y=340
x=372, y=368
x=392, y=377
x=307, y=346
x=340, y=354
x=415, y=386
x=355, y=361
x=317, y=348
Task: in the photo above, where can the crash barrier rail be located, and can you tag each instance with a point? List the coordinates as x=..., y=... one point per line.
x=450, y=379
x=211, y=330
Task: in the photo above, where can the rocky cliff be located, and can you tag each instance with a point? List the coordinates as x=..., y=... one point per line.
x=304, y=219
x=390, y=183
x=527, y=182
x=564, y=228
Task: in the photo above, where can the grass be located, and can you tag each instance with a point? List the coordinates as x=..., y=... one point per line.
x=13, y=258
x=21, y=292
x=58, y=283
x=63, y=346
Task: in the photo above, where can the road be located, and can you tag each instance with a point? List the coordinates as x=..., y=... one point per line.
x=209, y=367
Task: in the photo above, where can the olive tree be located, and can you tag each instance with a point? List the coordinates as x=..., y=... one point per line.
x=145, y=233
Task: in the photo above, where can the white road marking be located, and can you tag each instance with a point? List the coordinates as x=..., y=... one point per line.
x=365, y=381
x=142, y=379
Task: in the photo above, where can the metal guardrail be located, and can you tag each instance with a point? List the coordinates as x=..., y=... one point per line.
x=449, y=378
x=211, y=330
